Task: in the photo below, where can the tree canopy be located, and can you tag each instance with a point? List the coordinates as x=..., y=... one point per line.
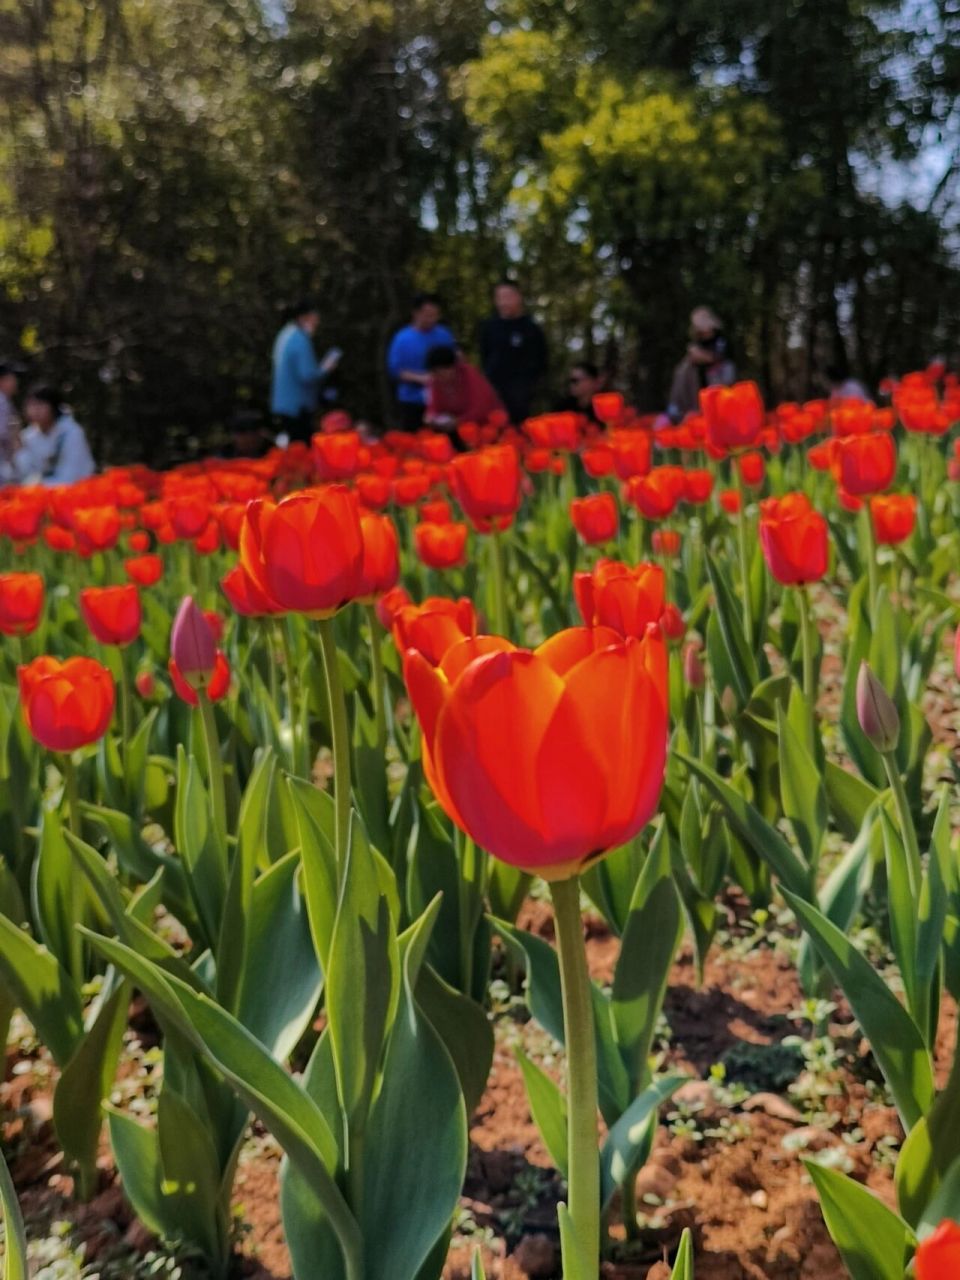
x=172, y=172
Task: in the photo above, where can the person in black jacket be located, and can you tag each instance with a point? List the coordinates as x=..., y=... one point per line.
x=513, y=350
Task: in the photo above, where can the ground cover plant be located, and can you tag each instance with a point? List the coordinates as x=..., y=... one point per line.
x=369, y=796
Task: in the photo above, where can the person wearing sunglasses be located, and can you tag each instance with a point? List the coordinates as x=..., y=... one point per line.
x=583, y=382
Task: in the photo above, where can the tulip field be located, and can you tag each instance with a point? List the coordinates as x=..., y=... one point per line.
x=528, y=854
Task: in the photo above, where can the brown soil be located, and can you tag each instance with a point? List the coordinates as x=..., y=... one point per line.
x=744, y=1193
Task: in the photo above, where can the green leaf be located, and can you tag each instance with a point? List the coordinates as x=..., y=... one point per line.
x=204, y=861
x=902, y=912
x=58, y=898
x=506, y=889
x=848, y=798
x=464, y=1028
x=476, y=1267
x=416, y=1141
x=278, y=942
x=88, y=1078
x=683, y=1263
x=192, y=1177
x=628, y=1143
x=43, y=989
x=729, y=616
x=548, y=1107
x=14, y=1233
x=894, y=1037
x=754, y=830
x=315, y=822
x=945, y=1203
x=647, y=951
x=874, y=1243
x=801, y=789
x=362, y=979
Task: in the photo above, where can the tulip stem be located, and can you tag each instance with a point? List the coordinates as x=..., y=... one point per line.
x=583, y=1163
x=744, y=556
x=78, y=890
x=907, y=828
x=340, y=735
x=218, y=794
x=499, y=584
x=806, y=643
x=297, y=752
x=126, y=709
x=870, y=551
x=379, y=678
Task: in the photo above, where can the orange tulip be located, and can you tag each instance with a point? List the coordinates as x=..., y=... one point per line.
x=144, y=570
x=305, y=552
x=865, y=464
x=794, y=539
x=381, y=555
x=938, y=1257
x=894, y=516
x=112, y=614
x=487, y=486
x=595, y=518
x=580, y=768
x=21, y=603
x=434, y=626
x=619, y=597
x=734, y=415
x=66, y=705
x=440, y=546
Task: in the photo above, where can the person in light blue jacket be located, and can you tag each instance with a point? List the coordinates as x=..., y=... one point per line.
x=297, y=373
x=407, y=358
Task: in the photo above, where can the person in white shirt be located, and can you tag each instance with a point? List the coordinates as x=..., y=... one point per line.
x=9, y=420
x=53, y=448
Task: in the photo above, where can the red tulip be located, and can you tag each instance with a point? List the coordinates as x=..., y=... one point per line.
x=730, y=501
x=487, y=486
x=244, y=596
x=381, y=555
x=752, y=469
x=734, y=415
x=144, y=570
x=619, y=597
x=436, y=512
x=145, y=684
x=608, y=406
x=21, y=603
x=595, y=518
x=434, y=626
x=597, y=461
x=794, y=539
x=373, y=491
x=440, y=546
x=697, y=486
x=113, y=614
x=656, y=495
x=865, y=464
x=305, y=552
x=337, y=457
x=938, y=1257
x=579, y=770
x=139, y=541
x=66, y=705
x=631, y=452
x=96, y=528
x=390, y=604
x=217, y=683
x=894, y=516
x=666, y=542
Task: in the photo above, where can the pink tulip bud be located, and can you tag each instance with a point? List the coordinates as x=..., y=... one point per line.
x=876, y=712
x=193, y=645
x=694, y=672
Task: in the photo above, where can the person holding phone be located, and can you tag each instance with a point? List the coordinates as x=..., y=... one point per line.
x=298, y=374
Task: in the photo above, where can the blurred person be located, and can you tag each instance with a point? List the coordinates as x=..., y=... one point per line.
x=458, y=392
x=513, y=350
x=297, y=373
x=584, y=381
x=10, y=375
x=53, y=447
x=707, y=363
x=407, y=358
x=841, y=386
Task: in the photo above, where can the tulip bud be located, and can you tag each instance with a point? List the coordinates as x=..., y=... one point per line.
x=694, y=672
x=876, y=712
x=145, y=684
x=193, y=645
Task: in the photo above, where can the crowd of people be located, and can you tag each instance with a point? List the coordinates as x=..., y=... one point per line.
x=434, y=385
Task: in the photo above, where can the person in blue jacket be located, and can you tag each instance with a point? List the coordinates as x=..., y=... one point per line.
x=407, y=358
x=297, y=373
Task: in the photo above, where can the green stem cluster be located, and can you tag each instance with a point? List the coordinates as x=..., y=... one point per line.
x=340, y=734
